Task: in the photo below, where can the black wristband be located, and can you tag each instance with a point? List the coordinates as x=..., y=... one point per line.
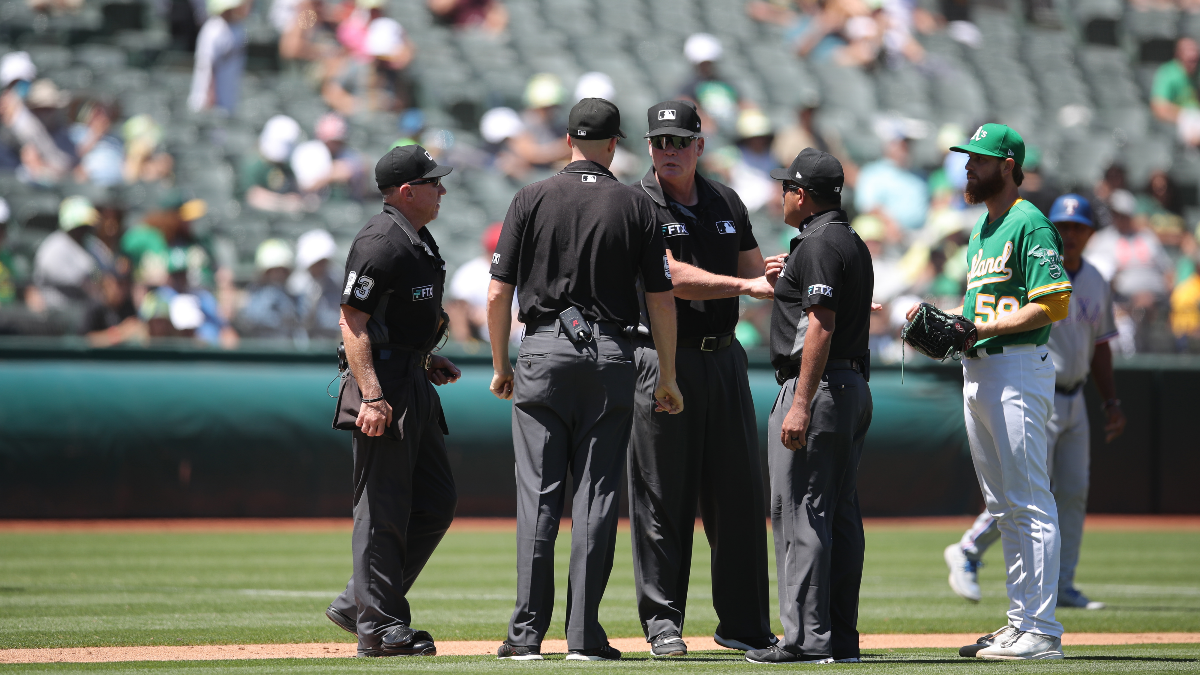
x=372, y=400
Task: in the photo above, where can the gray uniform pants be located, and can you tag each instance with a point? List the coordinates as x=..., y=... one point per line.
x=1068, y=438
x=816, y=519
x=572, y=410
x=709, y=452
x=404, y=500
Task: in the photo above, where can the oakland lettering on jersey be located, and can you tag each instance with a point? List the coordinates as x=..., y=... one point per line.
x=990, y=270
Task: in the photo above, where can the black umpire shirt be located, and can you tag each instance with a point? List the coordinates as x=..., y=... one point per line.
x=829, y=266
x=709, y=235
x=395, y=273
x=581, y=239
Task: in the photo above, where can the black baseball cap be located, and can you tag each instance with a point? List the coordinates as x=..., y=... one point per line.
x=673, y=118
x=407, y=163
x=594, y=119
x=814, y=170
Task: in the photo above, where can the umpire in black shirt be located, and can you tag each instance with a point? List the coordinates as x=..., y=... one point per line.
x=709, y=453
x=573, y=247
x=816, y=430
x=392, y=318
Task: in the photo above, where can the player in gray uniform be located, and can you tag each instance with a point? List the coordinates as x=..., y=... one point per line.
x=1078, y=345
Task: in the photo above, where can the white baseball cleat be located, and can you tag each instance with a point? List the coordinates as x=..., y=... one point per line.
x=964, y=573
x=1071, y=597
x=1023, y=646
x=984, y=642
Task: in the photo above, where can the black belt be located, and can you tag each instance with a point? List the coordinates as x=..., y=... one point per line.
x=793, y=369
x=1070, y=391
x=706, y=343
x=395, y=352
x=553, y=326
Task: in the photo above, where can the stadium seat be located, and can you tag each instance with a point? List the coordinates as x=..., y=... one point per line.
x=1148, y=154
x=1152, y=34
x=1098, y=21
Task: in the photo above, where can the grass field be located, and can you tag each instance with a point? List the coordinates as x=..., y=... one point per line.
x=93, y=589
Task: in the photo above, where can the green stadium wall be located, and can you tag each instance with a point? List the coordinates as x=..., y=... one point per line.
x=90, y=433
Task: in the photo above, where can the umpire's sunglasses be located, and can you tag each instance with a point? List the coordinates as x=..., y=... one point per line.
x=791, y=187
x=677, y=142
x=435, y=182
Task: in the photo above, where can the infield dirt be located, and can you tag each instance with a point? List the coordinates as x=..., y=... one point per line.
x=487, y=648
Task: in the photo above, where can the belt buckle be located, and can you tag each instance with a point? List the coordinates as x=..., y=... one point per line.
x=709, y=343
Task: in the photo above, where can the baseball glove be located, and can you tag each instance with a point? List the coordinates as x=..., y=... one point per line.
x=939, y=335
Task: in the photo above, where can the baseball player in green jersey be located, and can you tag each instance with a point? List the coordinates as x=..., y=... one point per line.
x=1079, y=347
x=1016, y=287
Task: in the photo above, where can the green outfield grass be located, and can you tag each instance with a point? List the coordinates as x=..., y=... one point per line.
x=75, y=589
x=1123, y=659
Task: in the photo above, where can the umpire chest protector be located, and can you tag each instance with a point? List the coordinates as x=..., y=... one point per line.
x=396, y=274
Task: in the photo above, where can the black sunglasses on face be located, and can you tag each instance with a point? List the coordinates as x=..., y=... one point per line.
x=435, y=182
x=791, y=187
x=678, y=142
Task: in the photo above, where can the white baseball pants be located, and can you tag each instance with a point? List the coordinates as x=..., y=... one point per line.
x=1008, y=402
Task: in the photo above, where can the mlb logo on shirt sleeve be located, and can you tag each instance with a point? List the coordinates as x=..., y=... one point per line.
x=589, y=178
x=726, y=227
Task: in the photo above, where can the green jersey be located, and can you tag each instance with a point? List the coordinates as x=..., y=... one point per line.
x=1012, y=261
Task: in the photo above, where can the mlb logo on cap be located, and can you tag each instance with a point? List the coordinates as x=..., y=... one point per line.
x=673, y=118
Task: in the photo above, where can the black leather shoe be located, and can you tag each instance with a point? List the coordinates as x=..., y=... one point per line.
x=404, y=641
x=746, y=644
x=519, y=653
x=605, y=653
x=777, y=654
x=342, y=621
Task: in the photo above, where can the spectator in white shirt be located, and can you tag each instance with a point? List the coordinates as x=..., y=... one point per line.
x=220, y=57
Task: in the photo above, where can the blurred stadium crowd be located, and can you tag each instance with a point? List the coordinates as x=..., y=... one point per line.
x=195, y=170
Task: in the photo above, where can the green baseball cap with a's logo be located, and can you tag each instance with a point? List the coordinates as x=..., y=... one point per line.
x=996, y=140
